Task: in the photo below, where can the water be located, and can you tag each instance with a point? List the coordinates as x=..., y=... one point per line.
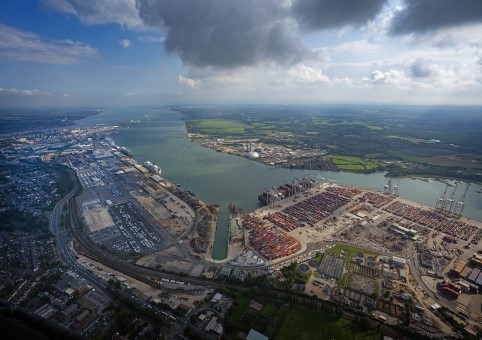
x=220, y=178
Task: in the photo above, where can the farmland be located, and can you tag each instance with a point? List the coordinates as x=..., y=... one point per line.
x=292, y=321
x=218, y=126
x=415, y=140
x=305, y=323
x=350, y=163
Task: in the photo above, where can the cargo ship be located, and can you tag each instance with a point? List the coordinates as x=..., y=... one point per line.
x=126, y=151
x=272, y=195
x=152, y=167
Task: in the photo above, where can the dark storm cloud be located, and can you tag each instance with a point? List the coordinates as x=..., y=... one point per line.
x=322, y=14
x=423, y=69
x=426, y=15
x=224, y=33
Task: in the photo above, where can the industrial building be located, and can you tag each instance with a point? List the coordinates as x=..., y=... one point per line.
x=332, y=266
x=426, y=260
x=398, y=261
x=402, y=230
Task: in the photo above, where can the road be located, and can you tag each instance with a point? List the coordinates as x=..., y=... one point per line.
x=67, y=256
x=65, y=252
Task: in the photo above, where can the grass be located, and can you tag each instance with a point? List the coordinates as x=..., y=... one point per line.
x=349, y=250
x=412, y=157
x=280, y=321
x=349, y=253
x=266, y=132
x=243, y=302
x=219, y=126
x=319, y=257
x=346, y=122
x=352, y=163
x=407, y=139
x=306, y=276
x=269, y=310
x=306, y=323
x=341, y=282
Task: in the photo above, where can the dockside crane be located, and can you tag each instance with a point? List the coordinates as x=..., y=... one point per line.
x=274, y=196
x=449, y=202
x=297, y=185
x=388, y=187
x=396, y=188
x=291, y=186
x=440, y=203
x=460, y=205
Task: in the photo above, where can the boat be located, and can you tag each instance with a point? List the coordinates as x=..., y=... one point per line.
x=271, y=195
x=152, y=167
x=126, y=151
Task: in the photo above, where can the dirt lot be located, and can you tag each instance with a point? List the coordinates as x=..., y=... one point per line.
x=97, y=218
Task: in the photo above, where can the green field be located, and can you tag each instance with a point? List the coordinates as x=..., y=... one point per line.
x=394, y=139
x=306, y=323
x=350, y=163
x=407, y=139
x=346, y=122
x=349, y=250
x=278, y=320
x=219, y=126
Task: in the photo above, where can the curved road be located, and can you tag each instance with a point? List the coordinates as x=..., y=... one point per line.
x=65, y=252
x=67, y=256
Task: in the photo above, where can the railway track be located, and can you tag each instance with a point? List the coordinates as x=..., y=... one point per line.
x=89, y=249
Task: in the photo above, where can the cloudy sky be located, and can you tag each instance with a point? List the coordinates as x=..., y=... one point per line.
x=108, y=52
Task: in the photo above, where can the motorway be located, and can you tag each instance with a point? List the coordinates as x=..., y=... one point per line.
x=65, y=252
x=67, y=256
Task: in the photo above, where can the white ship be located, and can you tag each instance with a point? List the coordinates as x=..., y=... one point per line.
x=152, y=167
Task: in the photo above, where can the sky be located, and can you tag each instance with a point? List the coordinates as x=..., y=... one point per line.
x=117, y=52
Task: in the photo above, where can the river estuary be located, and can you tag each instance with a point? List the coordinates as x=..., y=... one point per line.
x=220, y=178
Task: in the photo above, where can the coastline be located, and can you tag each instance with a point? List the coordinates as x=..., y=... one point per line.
x=309, y=164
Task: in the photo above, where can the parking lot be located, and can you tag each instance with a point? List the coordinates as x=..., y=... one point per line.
x=131, y=232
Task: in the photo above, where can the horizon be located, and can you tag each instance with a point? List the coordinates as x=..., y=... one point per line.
x=66, y=53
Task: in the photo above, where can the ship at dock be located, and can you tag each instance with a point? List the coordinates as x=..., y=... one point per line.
x=125, y=151
x=153, y=167
x=273, y=195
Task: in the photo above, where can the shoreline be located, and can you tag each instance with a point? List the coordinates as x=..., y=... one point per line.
x=284, y=164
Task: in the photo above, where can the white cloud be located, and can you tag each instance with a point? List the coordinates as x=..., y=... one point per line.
x=390, y=77
x=66, y=95
x=23, y=92
x=129, y=94
x=303, y=74
x=190, y=82
x=125, y=43
x=123, y=12
x=21, y=45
